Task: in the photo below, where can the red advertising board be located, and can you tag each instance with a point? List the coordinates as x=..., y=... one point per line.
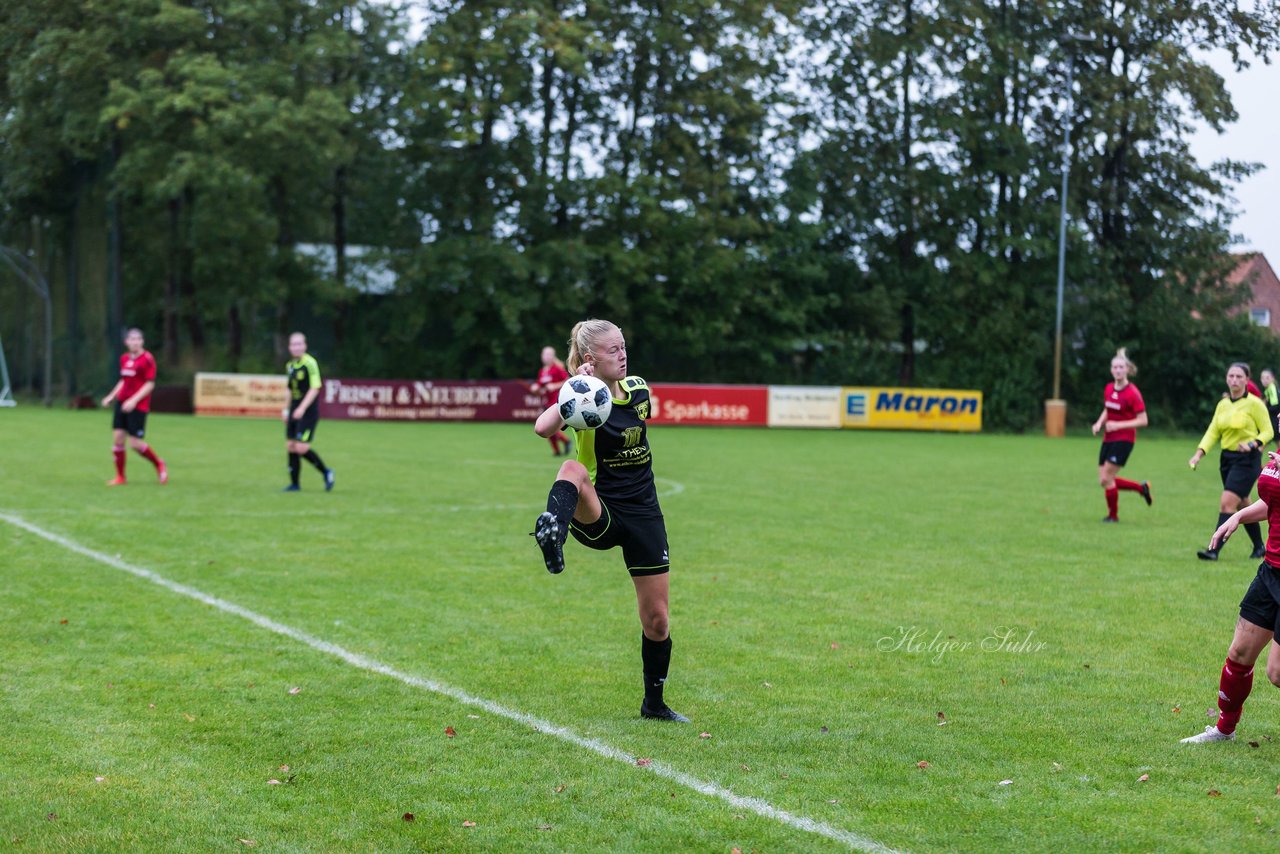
x=430, y=400
x=710, y=405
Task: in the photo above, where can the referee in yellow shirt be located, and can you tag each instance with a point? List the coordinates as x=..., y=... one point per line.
x=1242, y=427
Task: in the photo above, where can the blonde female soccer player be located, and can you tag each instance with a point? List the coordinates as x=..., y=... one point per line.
x=1241, y=427
x=1123, y=412
x=606, y=498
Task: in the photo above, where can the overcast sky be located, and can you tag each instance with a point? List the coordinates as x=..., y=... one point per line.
x=1255, y=137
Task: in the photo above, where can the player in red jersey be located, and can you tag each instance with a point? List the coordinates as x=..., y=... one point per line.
x=1259, y=610
x=1123, y=412
x=550, y=378
x=132, y=397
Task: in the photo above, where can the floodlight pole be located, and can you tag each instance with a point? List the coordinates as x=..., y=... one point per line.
x=1055, y=409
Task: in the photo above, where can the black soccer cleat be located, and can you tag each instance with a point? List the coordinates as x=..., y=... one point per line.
x=666, y=713
x=1258, y=552
x=1110, y=519
x=329, y=478
x=547, y=532
x=1207, y=554
x=1146, y=492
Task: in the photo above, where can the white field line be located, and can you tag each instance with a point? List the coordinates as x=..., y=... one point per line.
x=714, y=790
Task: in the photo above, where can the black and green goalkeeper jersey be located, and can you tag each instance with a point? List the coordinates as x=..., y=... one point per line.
x=617, y=453
x=304, y=375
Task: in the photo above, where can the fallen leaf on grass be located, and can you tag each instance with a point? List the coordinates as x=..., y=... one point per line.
x=1214, y=793
x=823, y=730
x=1006, y=782
x=1002, y=682
x=835, y=646
x=449, y=731
x=1278, y=791
x=274, y=782
x=53, y=816
x=922, y=764
x=295, y=690
x=1057, y=766
x=643, y=762
x=284, y=768
x=99, y=779
x=468, y=824
x=1253, y=744
x=747, y=768
x=407, y=816
x=833, y=802
x=561, y=788
x=62, y=622
x=735, y=851
x=190, y=718
x=1144, y=778
x=151, y=705
x=704, y=735
x=942, y=716
x=474, y=717
x=739, y=817
x=544, y=827
x=247, y=843
x=768, y=684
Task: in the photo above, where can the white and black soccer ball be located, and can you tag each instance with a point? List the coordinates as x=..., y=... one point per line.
x=585, y=402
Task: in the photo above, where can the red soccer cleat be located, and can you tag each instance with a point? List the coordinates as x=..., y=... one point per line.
x=162, y=472
x=118, y=481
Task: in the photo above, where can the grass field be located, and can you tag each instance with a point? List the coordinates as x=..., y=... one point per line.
x=138, y=718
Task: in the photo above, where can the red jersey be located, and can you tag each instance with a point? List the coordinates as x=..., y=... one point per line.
x=1269, y=491
x=551, y=377
x=135, y=371
x=1122, y=405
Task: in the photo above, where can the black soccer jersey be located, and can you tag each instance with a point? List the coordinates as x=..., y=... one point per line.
x=617, y=452
x=304, y=375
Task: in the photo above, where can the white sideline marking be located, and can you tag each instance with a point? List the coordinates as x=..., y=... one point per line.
x=756, y=805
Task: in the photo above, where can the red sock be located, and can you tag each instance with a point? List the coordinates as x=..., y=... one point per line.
x=118, y=453
x=1113, y=502
x=1233, y=688
x=1131, y=485
x=148, y=454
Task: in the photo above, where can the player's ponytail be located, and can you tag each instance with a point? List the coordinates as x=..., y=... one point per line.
x=584, y=335
x=1123, y=353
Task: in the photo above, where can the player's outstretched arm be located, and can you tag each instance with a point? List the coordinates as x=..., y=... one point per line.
x=549, y=422
x=1255, y=512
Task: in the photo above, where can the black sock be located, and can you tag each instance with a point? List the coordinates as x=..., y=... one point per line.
x=1222, y=517
x=314, y=458
x=656, y=656
x=562, y=502
x=1254, y=530
x=295, y=467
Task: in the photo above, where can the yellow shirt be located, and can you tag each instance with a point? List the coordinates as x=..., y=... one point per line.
x=1234, y=421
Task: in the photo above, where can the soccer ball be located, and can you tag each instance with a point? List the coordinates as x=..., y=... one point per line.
x=585, y=402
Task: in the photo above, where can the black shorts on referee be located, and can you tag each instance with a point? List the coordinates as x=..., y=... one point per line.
x=134, y=423
x=643, y=539
x=1115, y=452
x=1240, y=471
x=303, y=429
x=1261, y=603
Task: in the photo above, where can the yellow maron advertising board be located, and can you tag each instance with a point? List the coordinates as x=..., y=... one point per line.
x=912, y=409
x=253, y=395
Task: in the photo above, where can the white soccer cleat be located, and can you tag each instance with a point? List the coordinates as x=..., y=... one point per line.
x=1211, y=733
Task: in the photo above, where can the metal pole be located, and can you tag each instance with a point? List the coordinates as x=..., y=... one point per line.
x=1062, y=235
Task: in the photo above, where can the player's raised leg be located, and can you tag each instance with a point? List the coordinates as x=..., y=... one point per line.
x=572, y=496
